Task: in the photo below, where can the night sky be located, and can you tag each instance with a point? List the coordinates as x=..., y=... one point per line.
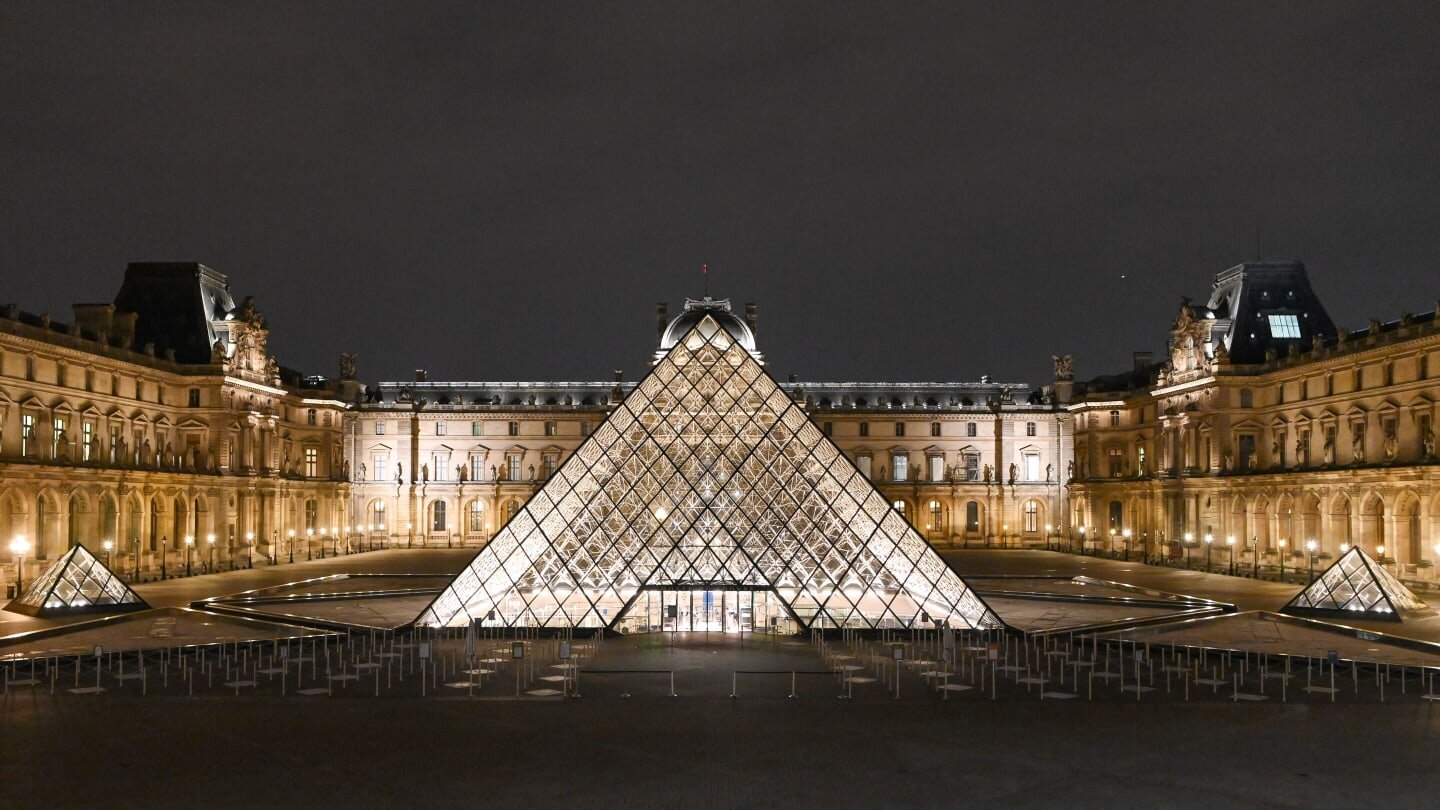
x=909, y=191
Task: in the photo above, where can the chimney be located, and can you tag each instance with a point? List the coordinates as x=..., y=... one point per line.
x=794, y=378
x=419, y=375
x=619, y=375
x=661, y=319
x=1143, y=359
x=750, y=317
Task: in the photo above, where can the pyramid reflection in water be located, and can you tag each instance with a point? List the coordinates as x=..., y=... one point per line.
x=708, y=477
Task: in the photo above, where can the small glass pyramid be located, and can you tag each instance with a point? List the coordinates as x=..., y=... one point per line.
x=1357, y=586
x=707, y=476
x=76, y=582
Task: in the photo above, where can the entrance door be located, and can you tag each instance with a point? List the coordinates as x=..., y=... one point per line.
x=705, y=611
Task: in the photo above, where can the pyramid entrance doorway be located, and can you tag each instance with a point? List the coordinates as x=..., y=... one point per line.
x=707, y=609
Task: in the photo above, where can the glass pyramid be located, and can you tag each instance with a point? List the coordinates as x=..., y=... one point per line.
x=707, y=476
x=1356, y=586
x=76, y=582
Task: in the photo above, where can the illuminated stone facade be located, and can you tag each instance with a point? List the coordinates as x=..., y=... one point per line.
x=159, y=417
x=442, y=463
x=1266, y=424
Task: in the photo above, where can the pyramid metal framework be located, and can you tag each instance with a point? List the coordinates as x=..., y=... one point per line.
x=707, y=476
x=1358, y=587
x=77, y=582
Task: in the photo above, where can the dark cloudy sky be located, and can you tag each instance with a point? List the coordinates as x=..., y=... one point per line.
x=910, y=191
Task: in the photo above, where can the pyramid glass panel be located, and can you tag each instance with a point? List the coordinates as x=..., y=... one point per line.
x=707, y=499
x=1357, y=586
x=76, y=582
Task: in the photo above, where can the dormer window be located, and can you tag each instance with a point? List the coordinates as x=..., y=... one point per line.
x=1285, y=326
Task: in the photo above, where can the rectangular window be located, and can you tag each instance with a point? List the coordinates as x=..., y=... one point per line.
x=1032, y=466
x=58, y=430
x=438, y=463
x=584, y=428
x=970, y=429
x=194, y=397
x=114, y=443
x=828, y=428
x=550, y=429
x=1422, y=367
x=862, y=463
x=1029, y=428
x=512, y=464
x=514, y=428
x=477, y=428
x=937, y=468
x=87, y=437
x=1116, y=459
x=548, y=463
x=899, y=428
x=934, y=428
x=312, y=462
x=972, y=466
x=310, y=416
x=899, y=466
x=439, y=428
x=1114, y=419
x=312, y=515
x=477, y=469
x=379, y=427
x=1284, y=326
x=864, y=428
x=380, y=462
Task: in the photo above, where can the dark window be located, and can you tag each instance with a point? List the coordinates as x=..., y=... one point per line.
x=899, y=428
x=864, y=428
x=934, y=428
x=194, y=397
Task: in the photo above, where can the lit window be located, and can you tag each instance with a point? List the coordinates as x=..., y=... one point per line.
x=312, y=462
x=1032, y=517
x=312, y=514
x=55, y=437
x=476, y=517
x=937, y=468
x=437, y=516
x=87, y=435
x=514, y=428
x=1284, y=326
x=477, y=469
x=439, y=428
x=548, y=463
x=1114, y=419
x=550, y=429
x=1032, y=466
x=937, y=517
x=377, y=515
x=310, y=416
x=899, y=466
x=513, y=462
x=379, y=427
x=477, y=428
x=1029, y=428
x=972, y=466
x=381, y=465
x=862, y=463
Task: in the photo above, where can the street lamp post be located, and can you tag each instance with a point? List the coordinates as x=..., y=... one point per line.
x=1254, y=557
x=1110, y=549
x=309, y=544
x=250, y=549
x=1230, y=544
x=1082, y=541
x=19, y=546
x=1189, y=541
x=1126, y=534
x=334, y=543
x=1048, y=527
x=108, y=544
x=290, y=544
x=189, y=544
x=210, y=541
x=1209, y=544
x=1281, y=544
x=1310, y=549
x=135, y=543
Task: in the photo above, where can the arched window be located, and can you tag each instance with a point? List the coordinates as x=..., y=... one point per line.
x=937, y=517
x=437, y=516
x=511, y=507
x=377, y=515
x=972, y=517
x=477, y=517
x=899, y=506
x=312, y=515
x=1031, y=516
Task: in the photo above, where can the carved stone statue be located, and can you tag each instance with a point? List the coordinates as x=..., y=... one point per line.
x=532, y=472
x=1227, y=462
x=95, y=448
x=1357, y=446
x=1277, y=455
x=146, y=456
x=504, y=474
x=425, y=473
x=1329, y=450
x=1299, y=451
x=399, y=472
x=987, y=473
x=347, y=366
x=1064, y=366
x=1427, y=443
x=461, y=473
x=1070, y=470
x=62, y=447
x=493, y=476
x=1392, y=447
x=1252, y=461
x=1014, y=473
x=362, y=471
x=1049, y=472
